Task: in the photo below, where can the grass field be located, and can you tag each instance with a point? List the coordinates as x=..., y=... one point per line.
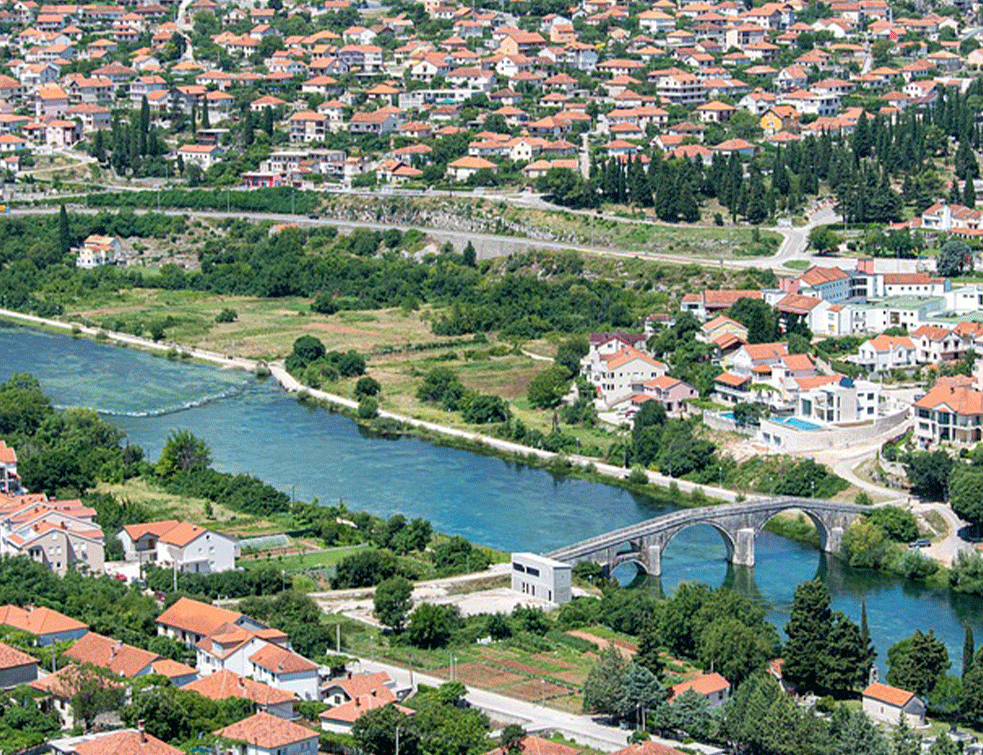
x=167, y=505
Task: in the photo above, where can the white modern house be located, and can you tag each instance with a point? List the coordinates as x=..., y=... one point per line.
x=181, y=545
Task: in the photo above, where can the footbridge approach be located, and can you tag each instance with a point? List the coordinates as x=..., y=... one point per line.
x=739, y=524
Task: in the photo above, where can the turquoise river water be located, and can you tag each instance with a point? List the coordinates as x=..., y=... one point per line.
x=253, y=426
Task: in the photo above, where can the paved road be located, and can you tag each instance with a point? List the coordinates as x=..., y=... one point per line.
x=794, y=245
x=534, y=718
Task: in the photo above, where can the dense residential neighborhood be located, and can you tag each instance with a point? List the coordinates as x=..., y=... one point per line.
x=718, y=259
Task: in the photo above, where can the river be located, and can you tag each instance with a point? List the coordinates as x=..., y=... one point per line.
x=253, y=426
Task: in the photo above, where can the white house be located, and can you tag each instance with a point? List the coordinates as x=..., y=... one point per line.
x=285, y=670
x=263, y=734
x=186, y=546
x=99, y=250
x=886, y=704
x=887, y=353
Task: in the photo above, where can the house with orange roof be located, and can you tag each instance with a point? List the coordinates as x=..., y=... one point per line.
x=112, y=655
x=16, y=667
x=463, y=168
x=9, y=479
x=223, y=685
x=619, y=375
x=181, y=545
x=534, y=745
x=948, y=413
x=342, y=718
x=189, y=621
x=713, y=687
x=346, y=688
x=711, y=302
x=887, y=353
x=285, y=670
x=886, y=704
x=60, y=534
x=647, y=748
x=125, y=742
x=264, y=734
x=46, y=625
x=935, y=344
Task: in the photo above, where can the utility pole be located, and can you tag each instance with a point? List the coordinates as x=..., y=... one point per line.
x=337, y=636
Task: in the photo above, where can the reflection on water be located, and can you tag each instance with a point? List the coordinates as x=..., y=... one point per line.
x=312, y=453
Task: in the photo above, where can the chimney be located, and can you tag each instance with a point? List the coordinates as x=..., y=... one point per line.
x=143, y=734
x=358, y=702
x=373, y=693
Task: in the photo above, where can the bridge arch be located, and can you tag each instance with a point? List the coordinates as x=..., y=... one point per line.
x=725, y=534
x=817, y=520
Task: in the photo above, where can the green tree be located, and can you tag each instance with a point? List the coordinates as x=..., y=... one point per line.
x=808, y=630
x=570, y=352
x=969, y=649
x=760, y=319
x=847, y=658
x=23, y=407
x=375, y=732
x=917, y=662
x=431, y=626
x=485, y=409
x=64, y=232
x=649, y=653
x=824, y=239
x=548, y=388
x=605, y=682
x=469, y=256
x=510, y=740
x=735, y=649
x=183, y=452
x=966, y=493
x=367, y=386
x=971, y=693
x=954, y=258
x=928, y=473
x=364, y=568
x=943, y=745
x=640, y=692
x=93, y=692
x=392, y=602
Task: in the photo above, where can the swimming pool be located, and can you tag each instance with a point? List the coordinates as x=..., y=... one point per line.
x=798, y=424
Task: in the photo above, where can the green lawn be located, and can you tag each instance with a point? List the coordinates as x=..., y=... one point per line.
x=298, y=562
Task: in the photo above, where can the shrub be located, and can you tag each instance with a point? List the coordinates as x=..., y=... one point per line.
x=368, y=408
x=227, y=315
x=638, y=476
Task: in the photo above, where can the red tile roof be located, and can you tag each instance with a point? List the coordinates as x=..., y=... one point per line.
x=267, y=731
x=225, y=684
x=196, y=617
x=12, y=657
x=888, y=694
x=533, y=745
x=126, y=743
x=38, y=621
x=707, y=684
x=114, y=655
x=281, y=661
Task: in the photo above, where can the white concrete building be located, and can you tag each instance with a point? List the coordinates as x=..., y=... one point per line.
x=542, y=577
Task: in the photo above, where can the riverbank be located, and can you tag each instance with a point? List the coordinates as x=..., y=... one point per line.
x=593, y=469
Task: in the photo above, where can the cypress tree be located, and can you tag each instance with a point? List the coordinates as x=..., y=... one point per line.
x=144, y=115
x=969, y=650
x=268, y=121
x=205, y=118
x=808, y=630
x=64, y=232
x=969, y=194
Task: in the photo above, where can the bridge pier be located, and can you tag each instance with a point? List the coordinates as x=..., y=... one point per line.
x=654, y=560
x=834, y=540
x=743, y=553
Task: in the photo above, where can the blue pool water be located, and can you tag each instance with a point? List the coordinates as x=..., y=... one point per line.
x=798, y=424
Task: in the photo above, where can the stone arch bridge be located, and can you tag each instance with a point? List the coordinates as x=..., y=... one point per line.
x=738, y=523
